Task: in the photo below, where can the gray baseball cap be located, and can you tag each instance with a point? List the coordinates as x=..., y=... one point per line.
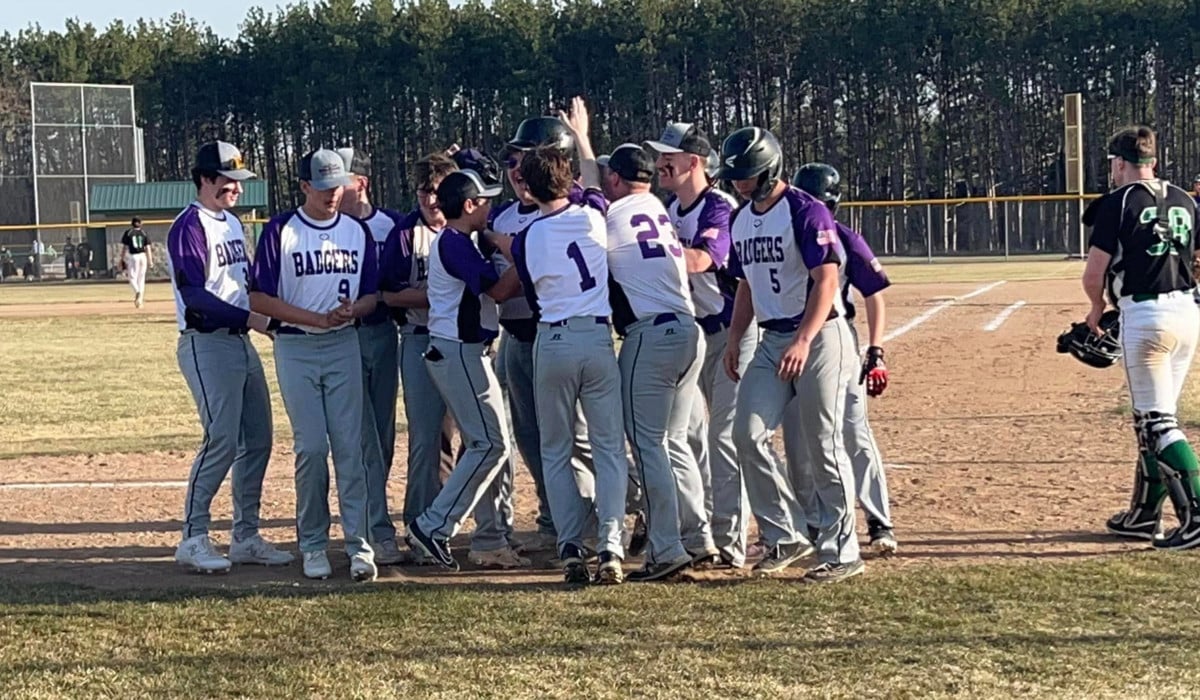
x=324, y=170
x=223, y=159
x=682, y=137
x=356, y=160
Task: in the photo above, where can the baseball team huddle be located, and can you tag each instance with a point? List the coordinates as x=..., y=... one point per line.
x=735, y=319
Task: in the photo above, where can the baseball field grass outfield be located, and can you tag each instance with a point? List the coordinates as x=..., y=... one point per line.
x=1004, y=458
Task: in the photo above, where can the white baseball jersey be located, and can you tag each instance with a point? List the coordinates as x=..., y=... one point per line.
x=510, y=219
x=312, y=264
x=775, y=250
x=645, y=260
x=209, y=268
x=405, y=263
x=459, y=276
x=562, y=259
x=380, y=223
x=705, y=225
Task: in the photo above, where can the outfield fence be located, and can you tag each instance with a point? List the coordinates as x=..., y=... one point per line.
x=1001, y=227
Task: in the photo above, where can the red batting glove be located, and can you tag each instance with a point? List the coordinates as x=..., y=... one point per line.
x=874, y=372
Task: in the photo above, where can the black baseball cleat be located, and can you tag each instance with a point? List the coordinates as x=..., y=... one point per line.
x=1181, y=538
x=1139, y=525
x=432, y=547
x=639, y=537
x=881, y=539
x=659, y=571
x=575, y=568
x=609, y=573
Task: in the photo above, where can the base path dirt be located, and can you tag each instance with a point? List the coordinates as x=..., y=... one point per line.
x=998, y=449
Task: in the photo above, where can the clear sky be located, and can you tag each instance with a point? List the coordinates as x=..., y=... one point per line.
x=223, y=17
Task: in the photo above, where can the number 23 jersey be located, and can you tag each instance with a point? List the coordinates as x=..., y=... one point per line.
x=311, y=264
x=645, y=260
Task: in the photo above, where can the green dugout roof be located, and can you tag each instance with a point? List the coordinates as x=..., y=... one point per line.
x=147, y=197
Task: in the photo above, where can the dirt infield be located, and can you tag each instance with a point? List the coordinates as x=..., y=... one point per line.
x=997, y=449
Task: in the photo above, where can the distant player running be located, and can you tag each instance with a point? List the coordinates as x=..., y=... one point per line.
x=787, y=252
x=315, y=270
x=463, y=290
x=209, y=268
x=136, y=258
x=1141, y=253
x=864, y=273
x=379, y=343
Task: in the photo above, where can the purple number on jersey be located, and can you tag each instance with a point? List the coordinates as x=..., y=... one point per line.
x=648, y=236
x=586, y=281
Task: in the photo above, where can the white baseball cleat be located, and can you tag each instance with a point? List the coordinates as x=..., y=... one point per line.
x=316, y=565
x=198, y=554
x=362, y=566
x=256, y=550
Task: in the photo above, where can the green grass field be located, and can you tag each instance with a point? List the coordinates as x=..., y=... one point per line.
x=1120, y=626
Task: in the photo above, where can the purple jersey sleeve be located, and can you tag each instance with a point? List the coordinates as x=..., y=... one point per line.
x=590, y=197
x=733, y=266
x=522, y=265
x=815, y=230
x=265, y=270
x=862, y=269
x=368, y=276
x=396, y=266
x=187, y=245
x=712, y=229
x=464, y=262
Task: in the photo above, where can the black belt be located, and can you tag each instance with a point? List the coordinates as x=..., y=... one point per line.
x=600, y=320
x=219, y=331
x=713, y=324
x=665, y=318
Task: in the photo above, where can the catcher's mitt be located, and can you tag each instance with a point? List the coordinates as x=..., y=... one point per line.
x=1094, y=350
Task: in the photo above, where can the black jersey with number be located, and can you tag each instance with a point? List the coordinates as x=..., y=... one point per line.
x=135, y=240
x=1145, y=261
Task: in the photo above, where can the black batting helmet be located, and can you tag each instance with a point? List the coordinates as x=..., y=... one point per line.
x=542, y=131
x=752, y=152
x=821, y=181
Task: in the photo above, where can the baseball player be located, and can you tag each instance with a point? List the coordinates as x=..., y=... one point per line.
x=1141, y=251
x=864, y=273
x=463, y=288
x=69, y=266
x=563, y=263
x=700, y=214
x=135, y=258
x=787, y=255
x=659, y=358
x=315, y=270
x=520, y=326
x=210, y=275
x=404, y=273
x=378, y=341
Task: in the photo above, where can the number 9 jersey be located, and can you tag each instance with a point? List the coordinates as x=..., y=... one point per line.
x=312, y=265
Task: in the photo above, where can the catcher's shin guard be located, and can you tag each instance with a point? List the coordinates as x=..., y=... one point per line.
x=1143, y=519
x=1178, y=464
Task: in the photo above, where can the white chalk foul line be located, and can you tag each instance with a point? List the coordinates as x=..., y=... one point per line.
x=94, y=485
x=933, y=311
x=1003, y=316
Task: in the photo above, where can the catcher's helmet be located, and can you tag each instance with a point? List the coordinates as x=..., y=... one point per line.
x=542, y=131
x=480, y=162
x=821, y=181
x=752, y=152
x=1094, y=350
